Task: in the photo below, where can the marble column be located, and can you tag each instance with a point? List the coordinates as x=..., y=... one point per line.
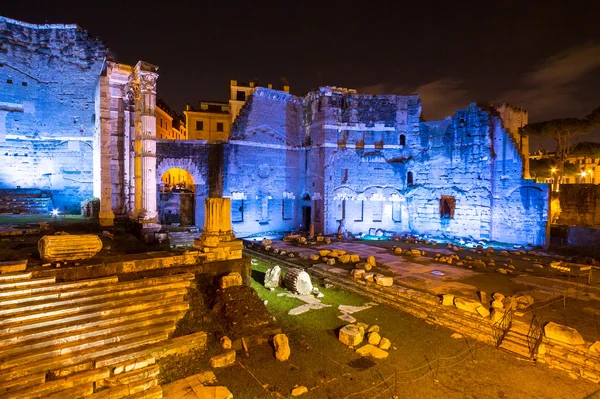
x=106, y=215
x=146, y=144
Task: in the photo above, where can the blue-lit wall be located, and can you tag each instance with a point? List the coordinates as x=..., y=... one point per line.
x=264, y=167
x=370, y=162
x=48, y=81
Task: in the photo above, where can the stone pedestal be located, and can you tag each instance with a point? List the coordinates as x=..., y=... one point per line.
x=217, y=240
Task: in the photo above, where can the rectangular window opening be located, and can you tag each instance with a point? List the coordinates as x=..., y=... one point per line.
x=219, y=126
x=377, y=210
x=287, y=208
x=360, y=210
x=396, y=211
x=237, y=211
x=447, y=205
x=200, y=125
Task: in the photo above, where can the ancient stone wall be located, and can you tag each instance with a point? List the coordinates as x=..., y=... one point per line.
x=48, y=84
x=262, y=173
x=579, y=204
x=364, y=163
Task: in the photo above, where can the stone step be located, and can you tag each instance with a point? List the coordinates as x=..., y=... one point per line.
x=121, y=308
x=48, y=309
x=50, y=387
x=126, y=355
x=22, y=383
x=43, y=334
x=78, y=392
x=516, y=336
x=132, y=376
x=59, y=292
x=13, y=266
x=10, y=277
x=515, y=347
x=152, y=393
x=37, y=286
x=103, y=356
x=6, y=286
x=98, y=342
x=54, y=341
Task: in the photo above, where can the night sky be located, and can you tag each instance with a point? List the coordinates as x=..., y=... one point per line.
x=544, y=57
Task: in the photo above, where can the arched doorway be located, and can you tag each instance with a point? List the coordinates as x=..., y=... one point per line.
x=177, y=197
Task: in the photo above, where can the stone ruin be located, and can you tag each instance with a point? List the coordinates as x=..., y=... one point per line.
x=76, y=125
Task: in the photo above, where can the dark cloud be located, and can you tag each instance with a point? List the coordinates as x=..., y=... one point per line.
x=551, y=89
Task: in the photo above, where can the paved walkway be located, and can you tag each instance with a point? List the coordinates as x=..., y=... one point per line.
x=407, y=272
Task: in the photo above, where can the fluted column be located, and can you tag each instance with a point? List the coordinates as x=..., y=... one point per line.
x=106, y=216
x=145, y=143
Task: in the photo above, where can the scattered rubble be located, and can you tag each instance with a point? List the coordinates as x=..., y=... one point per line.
x=273, y=277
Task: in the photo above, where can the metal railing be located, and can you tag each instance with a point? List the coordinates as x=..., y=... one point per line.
x=501, y=327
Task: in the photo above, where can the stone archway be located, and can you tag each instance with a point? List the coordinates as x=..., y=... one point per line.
x=178, y=200
x=179, y=163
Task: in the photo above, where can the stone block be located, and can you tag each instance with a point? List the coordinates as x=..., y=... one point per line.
x=448, y=300
x=484, y=312
x=374, y=338
x=385, y=344
x=384, y=281
x=371, y=261
x=223, y=360
x=466, y=304
x=564, y=334
x=354, y=258
x=69, y=247
x=351, y=335
x=231, y=280
x=369, y=350
x=357, y=273
x=301, y=390
x=282, y=347
x=225, y=342
x=13, y=266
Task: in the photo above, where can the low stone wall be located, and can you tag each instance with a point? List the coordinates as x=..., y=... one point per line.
x=151, y=264
x=577, y=360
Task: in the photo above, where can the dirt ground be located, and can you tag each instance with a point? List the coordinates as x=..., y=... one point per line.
x=25, y=246
x=424, y=361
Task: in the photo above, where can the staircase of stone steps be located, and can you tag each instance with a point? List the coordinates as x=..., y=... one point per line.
x=25, y=201
x=83, y=332
x=182, y=238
